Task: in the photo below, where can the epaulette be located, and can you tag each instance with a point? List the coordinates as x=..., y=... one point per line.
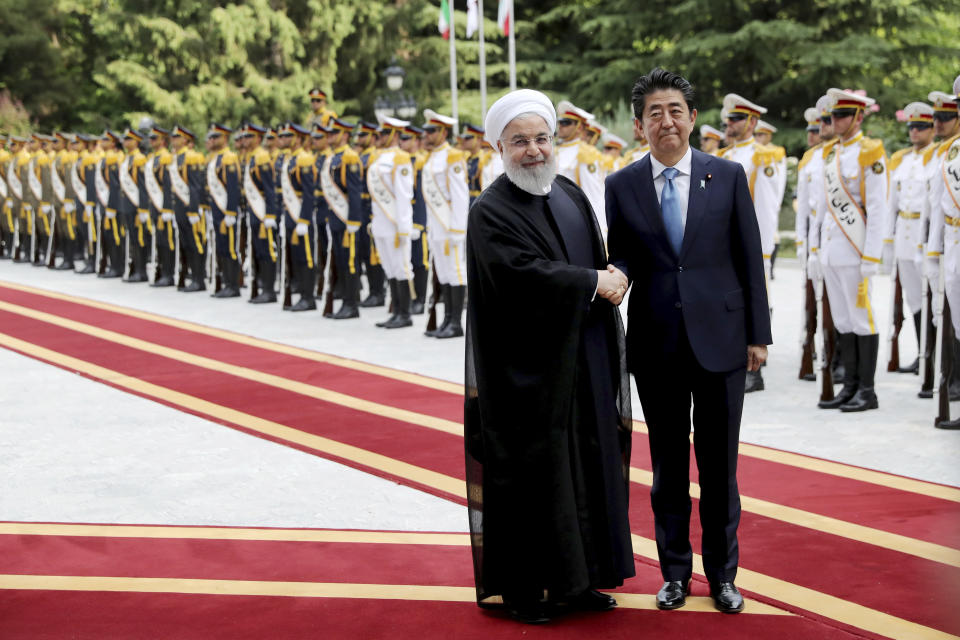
x=763, y=155
x=401, y=157
x=455, y=155
x=230, y=156
x=261, y=156
x=607, y=163
x=88, y=160
x=23, y=158
x=113, y=157
x=871, y=151
x=165, y=157
x=306, y=159
x=779, y=153
x=42, y=159
x=808, y=155
x=942, y=149
x=929, y=153
x=828, y=146
x=139, y=160
x=194, y=157
x=897, y=158
x=587, y=154
x=350, y=156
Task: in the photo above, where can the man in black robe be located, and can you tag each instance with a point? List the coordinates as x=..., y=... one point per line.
x=547, y=410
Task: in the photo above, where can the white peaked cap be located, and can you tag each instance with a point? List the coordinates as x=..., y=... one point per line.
x=918, y=111
x=732, y=103
x=514, y=104
x=956, y=86
x=942, y=101
x=593, y=124
x=706, y=131
x=394, y=123
x=811, y=115
x=765, y=126
x=429, y=115
x=825, y=105
x=566, y=109
x=610, y=139
x=848, y=99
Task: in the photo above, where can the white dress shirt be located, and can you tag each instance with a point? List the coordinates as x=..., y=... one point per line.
x=681, y=182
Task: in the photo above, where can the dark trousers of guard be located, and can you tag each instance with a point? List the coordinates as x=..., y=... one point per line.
x=139, y=240
x=24, y=245
x=66, y=231
x=303, y=266
x=420, y=257
x=112, y=233
x=192, y=254
x=164, y=243
x=41, y=222
x=265, y=259
x=376, y=294
x=228, y=260
x=347, y=261
x=86, y=238
x=7, y=227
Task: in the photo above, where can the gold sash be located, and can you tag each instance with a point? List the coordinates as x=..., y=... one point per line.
x=951, y=172
x=848, y=215
x=379, y=191
x=217, y=191
x=254, y=198
x=154, y=190
x=336, y=199
x=437, y=203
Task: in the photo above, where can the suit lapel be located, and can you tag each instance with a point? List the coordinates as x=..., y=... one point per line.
x=696, y=203
x=645, y=196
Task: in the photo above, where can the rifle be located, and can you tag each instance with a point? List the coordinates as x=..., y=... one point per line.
x=127, y=258
x=809, y=329
x=52, y=240
x=33, y=234
x=284, y=266
x=16, y=236
x=826, y=344
x=213, y=274
x=250, y=260
x=896, y=320
x=944, y=352
x=334, y=278
x=434, y=299
x=101, y=260
x=927, y=340
x=241, y=248
x=153, y=264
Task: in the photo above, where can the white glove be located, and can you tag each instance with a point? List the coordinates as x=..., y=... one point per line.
x=111, y=214
x=193, y=218
x=46, y=209
x=143, y=216
x=69, y=206
x=302, y=229
x=931, y=269
x=87, y=210
x=230, y=220
x=167, y=216
x=814, y=268
x=270, y=223
x=415, y=235
x=887, y=256
x=868, y=269
x=9, y=202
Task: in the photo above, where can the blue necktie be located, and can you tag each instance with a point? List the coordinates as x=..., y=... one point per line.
x=670, y=206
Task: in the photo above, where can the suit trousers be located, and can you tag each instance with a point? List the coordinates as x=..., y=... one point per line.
x=666, y=392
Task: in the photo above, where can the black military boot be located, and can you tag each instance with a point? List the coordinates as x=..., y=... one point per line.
x=401, y=306
x=915, y=367
x=453, y=328
x=308, y=283
x=67, y=263
x=954, y=387
x=866, y=398
x=377, y=296
x=230, y=282
x=447, y=304
x=417, y=306
x=197, y=274
x=351, y=298
x=392, y=284
x=847, y=344
x=267, y=275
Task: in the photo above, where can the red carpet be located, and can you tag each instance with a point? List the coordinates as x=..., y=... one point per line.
x=886, y=575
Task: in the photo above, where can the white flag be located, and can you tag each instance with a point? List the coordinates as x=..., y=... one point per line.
x=473, y=18
x=505, y=17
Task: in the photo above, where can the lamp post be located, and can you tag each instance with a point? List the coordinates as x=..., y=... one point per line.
x=395, y=103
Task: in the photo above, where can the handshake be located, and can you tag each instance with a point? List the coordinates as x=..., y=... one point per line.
x=612, y=284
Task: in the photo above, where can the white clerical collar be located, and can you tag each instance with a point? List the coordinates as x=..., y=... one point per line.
x=684, y=166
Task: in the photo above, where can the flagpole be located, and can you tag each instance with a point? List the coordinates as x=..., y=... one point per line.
x=512, y=49
x=453, y=67
x=483, y=68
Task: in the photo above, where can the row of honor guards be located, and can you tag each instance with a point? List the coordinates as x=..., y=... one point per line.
x=859, y=213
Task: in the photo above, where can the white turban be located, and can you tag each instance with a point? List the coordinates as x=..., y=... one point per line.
x=514, y=104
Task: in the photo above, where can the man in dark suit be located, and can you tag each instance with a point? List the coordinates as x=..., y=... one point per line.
x=684, y=232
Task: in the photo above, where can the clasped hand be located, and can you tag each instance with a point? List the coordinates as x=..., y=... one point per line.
x=612, y=284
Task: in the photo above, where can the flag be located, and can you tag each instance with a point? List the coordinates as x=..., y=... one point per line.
x=505, y=16
x=443, y=24
x=473, y=18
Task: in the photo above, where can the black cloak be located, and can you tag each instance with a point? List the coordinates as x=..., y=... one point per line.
x=547, y=408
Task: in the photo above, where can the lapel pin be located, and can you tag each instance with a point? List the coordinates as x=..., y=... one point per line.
x=703, y=184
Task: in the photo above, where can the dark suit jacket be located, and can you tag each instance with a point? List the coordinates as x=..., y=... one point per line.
x=715, y=287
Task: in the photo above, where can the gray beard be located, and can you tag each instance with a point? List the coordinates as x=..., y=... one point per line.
x=537, y=180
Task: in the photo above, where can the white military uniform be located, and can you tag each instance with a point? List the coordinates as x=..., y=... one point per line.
x=943, y=242
x=491, y=170
x=390, y=184
x=447, y=197
x=809, y=188
x=911, y=175
x=581, y=163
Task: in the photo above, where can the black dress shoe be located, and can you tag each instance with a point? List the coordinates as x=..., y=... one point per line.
x=195, y=285
x=673, y=594
x=304, y=305
x=726, y=597
x=264, y=297
x=913, y=368
x=345, y=312
x=863, y=400
x=527, y=611
x=163, y=281
x=592, y=600
x=374, y=300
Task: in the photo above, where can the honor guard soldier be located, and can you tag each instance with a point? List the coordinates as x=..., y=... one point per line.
x=16, y=176
x=7, y=225
x=272, y=143
x=445, y=192
x=112, y=230
x=642, y=148
x=157, y=198
x=847, y=249
x=92, y=209
x=376, y=295
x=133, y=212
x=298, y=181
x=223, y=186
x=186, y=177
x=493, y=168
x=38, y=221
x=710, y=139
x=477, y=158
x=578, y=160
x=759, y=164
x=320, y=139
x=341, y=182
x=912, y=170
x=613, y=147
x=390, y=185
x=66, y=195
x=420, y=251
x=943, y=242
x=259, y=189
x=764, y=135
x=319, y=111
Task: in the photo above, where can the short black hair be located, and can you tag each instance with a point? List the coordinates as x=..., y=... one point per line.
x=656, y=80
